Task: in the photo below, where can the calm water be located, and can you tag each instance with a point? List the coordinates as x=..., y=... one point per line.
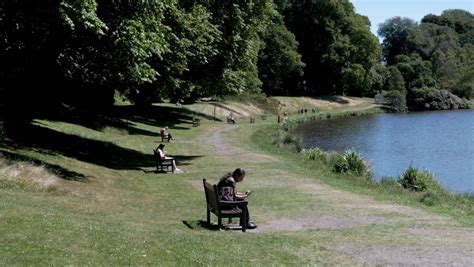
x=441, y=142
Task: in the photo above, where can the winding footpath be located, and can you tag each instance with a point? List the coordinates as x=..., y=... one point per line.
x=370, y=232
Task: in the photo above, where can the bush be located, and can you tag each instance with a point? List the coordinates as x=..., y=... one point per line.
x=396, y=100
x=351, y=161
x=419, y=181
x=429, y=198
x=284, y=139
x=432, y=99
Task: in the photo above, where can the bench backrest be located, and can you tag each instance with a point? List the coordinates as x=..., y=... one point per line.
x=211, y=195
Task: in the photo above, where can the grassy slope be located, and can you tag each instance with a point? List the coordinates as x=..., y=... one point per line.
x=107, y=210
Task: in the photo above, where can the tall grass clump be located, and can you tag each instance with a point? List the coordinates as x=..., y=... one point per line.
x=23, y=175
x=326, y=158
x=351, y=162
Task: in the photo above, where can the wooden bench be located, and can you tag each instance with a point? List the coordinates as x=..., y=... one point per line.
x=231, y=121
x=223, y=209
x=264, y=117
x=163, y=165
x=196, y=122
x=252, y=120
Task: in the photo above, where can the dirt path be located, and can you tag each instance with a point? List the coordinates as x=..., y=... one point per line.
x=420, y=238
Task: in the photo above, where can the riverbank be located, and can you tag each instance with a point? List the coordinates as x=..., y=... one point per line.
x=97, y=201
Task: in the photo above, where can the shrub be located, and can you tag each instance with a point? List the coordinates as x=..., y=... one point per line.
x=429, y=198
x=351, y=161
x=314, y=154
x=284, y=139
x=419, y=181
x=396, y=100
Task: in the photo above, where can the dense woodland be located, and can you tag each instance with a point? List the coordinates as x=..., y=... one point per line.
x=70, y=54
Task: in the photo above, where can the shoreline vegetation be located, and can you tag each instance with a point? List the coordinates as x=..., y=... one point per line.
x=413, y=185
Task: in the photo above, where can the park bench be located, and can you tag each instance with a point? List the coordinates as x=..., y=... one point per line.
x=196, y=122
x=163, y=165
x=264, y=117
x=218, y=207
x=252, y=120
x=230, y=120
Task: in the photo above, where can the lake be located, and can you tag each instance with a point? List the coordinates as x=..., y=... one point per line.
x=441, y=142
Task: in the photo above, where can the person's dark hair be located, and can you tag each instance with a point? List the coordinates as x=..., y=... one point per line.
x=161, y=146
x=238, y=173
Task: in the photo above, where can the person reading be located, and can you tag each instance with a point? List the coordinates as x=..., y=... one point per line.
x=228, y=192
x=162, y=154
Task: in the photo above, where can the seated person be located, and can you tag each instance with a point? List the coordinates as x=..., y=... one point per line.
x=228, y=191
x=231, y=118
x=165, y=134
x=162, y=154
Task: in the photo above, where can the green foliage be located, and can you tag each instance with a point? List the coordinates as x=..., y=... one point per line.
x=432, y=99
x=284, y=139
x=335, y=44
x=438, y=53
x=279, y=63
x=351, y=162
x=394, y=80
x=395, y=32
x=429, y=198
x=396, y=100
x=415, y=180
x=415, y=71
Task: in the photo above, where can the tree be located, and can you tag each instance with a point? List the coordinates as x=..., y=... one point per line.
x=279, y=64
x=335, y=43
x=394, y=32
x=416, y=72
x=394, y=80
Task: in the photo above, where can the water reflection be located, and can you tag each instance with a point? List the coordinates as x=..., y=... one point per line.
x=442, y=142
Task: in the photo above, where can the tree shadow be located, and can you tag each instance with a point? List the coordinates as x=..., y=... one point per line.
x=125, y=118
x=56, y=169
x=106, y=154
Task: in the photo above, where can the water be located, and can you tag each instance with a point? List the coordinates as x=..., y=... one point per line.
x=441, y=142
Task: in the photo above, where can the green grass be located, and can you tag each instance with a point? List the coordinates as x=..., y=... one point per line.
x=108, y=209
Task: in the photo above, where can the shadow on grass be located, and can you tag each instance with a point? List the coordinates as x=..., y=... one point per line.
x=126, y=117
x=48, y=141
x=200, y=225
x=56, y=169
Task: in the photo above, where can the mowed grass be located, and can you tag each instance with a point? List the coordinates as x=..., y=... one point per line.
x=108, y=207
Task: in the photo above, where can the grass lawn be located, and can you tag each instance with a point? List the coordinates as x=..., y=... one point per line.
x=95, y=200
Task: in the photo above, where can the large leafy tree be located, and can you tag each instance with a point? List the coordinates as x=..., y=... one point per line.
x=335, y=43
x=395, y=32
x=279, y=63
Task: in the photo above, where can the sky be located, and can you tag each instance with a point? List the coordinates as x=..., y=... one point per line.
x=380, y=10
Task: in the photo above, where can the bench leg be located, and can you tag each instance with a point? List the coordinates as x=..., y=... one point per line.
x=243, y=220
x=219, y=221
x=208, y=217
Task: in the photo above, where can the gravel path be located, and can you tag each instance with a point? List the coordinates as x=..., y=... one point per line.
x=422, y=238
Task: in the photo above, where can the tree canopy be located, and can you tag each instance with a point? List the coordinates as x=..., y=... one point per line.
x=71, y=53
